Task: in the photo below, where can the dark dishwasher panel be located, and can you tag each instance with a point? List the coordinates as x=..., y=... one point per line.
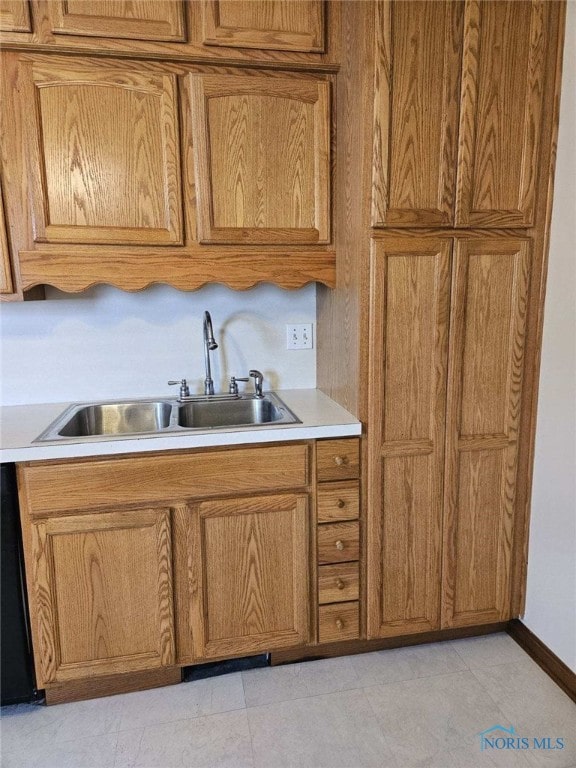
x=16, y=672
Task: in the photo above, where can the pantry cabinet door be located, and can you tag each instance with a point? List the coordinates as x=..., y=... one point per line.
x=416, y=87
x=500, y=120
x=487, y=348
x=132, y=19
x=102, y=593
x=15, y=16
x=262, y=154
x=409, y=312
x=265, y=24
x=249, y=575
x=104, y=153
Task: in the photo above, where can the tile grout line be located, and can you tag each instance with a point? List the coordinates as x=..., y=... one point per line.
x=248, y=721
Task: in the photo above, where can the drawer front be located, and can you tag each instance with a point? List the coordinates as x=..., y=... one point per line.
x=340, y=621
x=146, y=478
x=338, y=542
x=338, y=583
x=338, y=459
x=338, y=501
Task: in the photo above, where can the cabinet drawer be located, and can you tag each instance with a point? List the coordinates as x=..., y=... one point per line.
x=337, y=583
x=338, y=501
x=338, y=542
x=338, y=459
x=340, y=621
x=73, y=485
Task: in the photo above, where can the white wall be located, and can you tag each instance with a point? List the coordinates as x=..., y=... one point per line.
x=551, y=595
x=105, y=343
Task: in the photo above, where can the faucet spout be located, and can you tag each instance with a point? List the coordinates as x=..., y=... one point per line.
x=209, y=345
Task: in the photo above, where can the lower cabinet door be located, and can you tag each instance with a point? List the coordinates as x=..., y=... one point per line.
x=249, y=575
x=102, y=594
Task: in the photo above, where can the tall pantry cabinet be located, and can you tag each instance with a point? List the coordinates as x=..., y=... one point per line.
x=447, y=127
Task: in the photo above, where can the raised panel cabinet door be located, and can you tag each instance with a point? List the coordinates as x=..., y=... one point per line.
x=267, y=24
x=409, y=314
x=104, y=155
x=500, y=118
x=132, y=19
x=102, y=593
x=249, y=575
x=15, y=16
x=487, y=347
x=416, y=88
x=262, y=155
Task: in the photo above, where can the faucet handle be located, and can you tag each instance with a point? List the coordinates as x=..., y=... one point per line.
x=258, y=381
x=233, y=386
x=184, y=388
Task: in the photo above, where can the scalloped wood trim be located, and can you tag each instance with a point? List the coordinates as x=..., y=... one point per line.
x=134, y=271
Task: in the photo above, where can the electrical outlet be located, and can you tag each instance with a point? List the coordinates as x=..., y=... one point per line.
x=299, y=336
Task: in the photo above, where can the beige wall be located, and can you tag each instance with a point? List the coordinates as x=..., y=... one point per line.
x=551, y=596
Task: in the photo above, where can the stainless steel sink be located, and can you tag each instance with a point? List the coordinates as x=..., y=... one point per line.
x=229, y=413
x=111, y=419
x=99, y=421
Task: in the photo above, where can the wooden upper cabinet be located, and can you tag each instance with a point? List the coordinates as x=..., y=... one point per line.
x=249, y=575
x=132, y=19
x=262, y=154
x=15, y=16
x=101, y=594
x=500, y=121
x=417, y=74
x=104, y=155
x=265, y=24
x=409, y=314
x=487, y=351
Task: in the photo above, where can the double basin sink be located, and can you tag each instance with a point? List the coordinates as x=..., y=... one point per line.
x=157, y=417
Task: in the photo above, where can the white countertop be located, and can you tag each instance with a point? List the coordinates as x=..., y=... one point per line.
x=21, y=424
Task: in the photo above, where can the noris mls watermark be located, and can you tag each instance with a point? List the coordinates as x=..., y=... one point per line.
x=497, y=737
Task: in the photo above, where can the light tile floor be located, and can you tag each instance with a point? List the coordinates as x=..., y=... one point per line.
x=419, y=706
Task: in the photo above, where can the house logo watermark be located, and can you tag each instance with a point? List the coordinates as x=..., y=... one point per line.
x=500, y=738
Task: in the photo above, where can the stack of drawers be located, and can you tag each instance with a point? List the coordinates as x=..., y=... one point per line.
x=338, y=506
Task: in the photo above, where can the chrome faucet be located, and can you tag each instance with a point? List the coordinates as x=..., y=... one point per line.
x=209, y=345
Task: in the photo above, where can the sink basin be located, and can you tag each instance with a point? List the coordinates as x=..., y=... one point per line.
x=112, y=419
x=97, y=421
x=229, y=413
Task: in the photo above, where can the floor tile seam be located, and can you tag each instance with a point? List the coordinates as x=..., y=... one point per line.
x=302, y=698
x=134, y=761
x=248, y=720
x=421, y=677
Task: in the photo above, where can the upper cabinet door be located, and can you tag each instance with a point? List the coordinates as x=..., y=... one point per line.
x=418, y=46
x=133, y=19
x=267, y=24
x=262, y=153
x=15, y=16
x=502, y=90
x=107, y=146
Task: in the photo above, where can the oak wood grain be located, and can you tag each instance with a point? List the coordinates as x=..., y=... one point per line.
x=500, y=119
x=60, y=487
x=249, y=575
x=337, y=459
x=416, y=99
x=338, y=501
x=338, y=583
x=487, y=344
x=339, y=621
x=338, y=542
x=262, y=158
x=6, y=282
x=98, y=180
x=407, y=396
x=111, y=685
x=15, y=16
x=265, y=24
x=132, y=19
x=102, y=588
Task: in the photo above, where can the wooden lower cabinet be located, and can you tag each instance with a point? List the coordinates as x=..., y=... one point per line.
x=102, y=594
x=249, y=575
